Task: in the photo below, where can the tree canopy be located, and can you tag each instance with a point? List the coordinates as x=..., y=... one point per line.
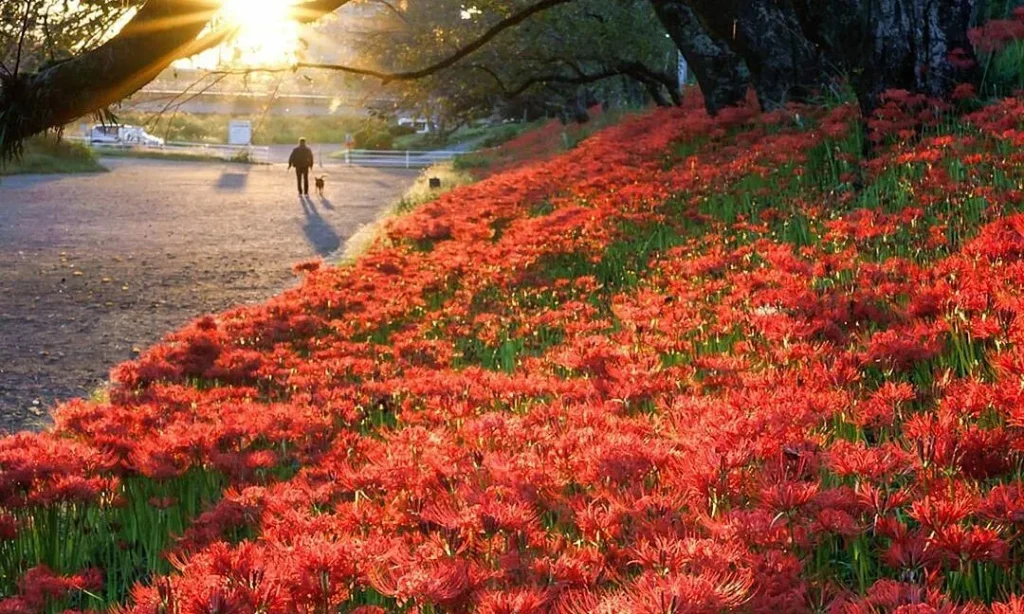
x=560, y=60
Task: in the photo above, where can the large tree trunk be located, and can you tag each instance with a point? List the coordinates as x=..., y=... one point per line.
x=785, y=64
x=722, y=75
x=894, y=44
x=796, y=48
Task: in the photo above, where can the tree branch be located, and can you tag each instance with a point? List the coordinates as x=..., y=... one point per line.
x=495, y=30
x=21, y=39
x=160, y=32
x=581, y=78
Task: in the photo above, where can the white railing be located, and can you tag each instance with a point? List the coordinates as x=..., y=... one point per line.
x=227, y=152
x=256, y=154
x=406, y=159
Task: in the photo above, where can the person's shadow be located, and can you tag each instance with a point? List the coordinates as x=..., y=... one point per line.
x=318, y=232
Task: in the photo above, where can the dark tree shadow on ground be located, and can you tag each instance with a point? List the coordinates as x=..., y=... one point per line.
x=318, y=232
x=232, y=181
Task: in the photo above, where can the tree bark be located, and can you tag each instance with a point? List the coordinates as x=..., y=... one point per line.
x=721, y=73
x=784, y=63
x=894, y=44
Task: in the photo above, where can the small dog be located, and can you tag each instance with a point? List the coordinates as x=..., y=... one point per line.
x=320, y=183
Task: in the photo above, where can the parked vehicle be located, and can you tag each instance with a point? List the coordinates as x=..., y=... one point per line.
x=123, y=135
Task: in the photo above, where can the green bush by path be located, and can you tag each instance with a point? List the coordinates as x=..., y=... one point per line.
x=49, y=155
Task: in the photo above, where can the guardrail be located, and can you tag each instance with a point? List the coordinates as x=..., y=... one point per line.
x=406, y=159
x=257, y=154
x=227, y=152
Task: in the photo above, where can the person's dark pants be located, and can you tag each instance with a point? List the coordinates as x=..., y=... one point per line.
x=302, y=178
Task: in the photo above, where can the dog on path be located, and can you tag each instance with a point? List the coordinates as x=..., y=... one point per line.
x=320, y=183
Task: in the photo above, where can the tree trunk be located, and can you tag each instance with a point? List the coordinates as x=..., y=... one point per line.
x=785, y=64
x=795, y=48
x=895, y=44
x=722, y=75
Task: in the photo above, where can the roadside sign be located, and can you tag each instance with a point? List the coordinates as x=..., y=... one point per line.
x=240, y=132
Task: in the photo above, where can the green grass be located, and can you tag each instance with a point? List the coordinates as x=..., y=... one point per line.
x=487, y=136
x=489, y=154
x=127, y=541
x=1004, y=70
x=157, y=154
x=418, y=194
x=270, y=130
x=48, y=155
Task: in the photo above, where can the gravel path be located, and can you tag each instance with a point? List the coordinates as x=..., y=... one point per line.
x=94, y=268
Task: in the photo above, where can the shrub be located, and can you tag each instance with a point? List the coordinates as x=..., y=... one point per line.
x=48, y=154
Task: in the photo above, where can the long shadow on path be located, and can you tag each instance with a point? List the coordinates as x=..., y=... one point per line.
x=232, y=182
x=319, y=233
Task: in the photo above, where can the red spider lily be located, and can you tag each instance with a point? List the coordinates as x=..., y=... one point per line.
x=760, y=375
x=40, y=586
x=997, y=33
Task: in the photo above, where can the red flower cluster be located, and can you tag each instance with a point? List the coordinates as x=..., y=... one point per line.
x=689, y=366
x=40, y=586
x=996, y=34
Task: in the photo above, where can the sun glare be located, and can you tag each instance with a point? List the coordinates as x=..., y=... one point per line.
x=267, y=34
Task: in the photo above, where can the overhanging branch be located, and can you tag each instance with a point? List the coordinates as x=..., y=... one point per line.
x=386, y=77
x=160, y=32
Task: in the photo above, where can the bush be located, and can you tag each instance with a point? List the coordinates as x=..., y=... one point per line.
x=398, y=130
x=374, y=134
x=49, y=155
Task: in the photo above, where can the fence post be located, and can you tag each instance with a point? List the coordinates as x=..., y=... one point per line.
x=348, y=153
x=406, y=158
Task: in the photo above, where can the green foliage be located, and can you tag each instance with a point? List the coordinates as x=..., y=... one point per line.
x=1004, y=73
x=241, y=157
x=54, y=29
x=539, y=69
x=271, y=130
x=49, y=155
x=126, y=538
x=374, y=134
x=451, y=177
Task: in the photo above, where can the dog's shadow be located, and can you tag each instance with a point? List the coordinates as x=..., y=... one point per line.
x=327, y=204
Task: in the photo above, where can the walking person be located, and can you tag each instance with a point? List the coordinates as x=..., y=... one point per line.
x=302, y=160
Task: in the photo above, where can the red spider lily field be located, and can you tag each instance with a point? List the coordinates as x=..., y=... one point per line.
x=692, y=365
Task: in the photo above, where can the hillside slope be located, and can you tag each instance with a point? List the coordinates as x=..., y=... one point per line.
x=688, y=366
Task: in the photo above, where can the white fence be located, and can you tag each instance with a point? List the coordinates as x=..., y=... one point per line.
x=227, y=152
x=401, y=159
x=251, y=152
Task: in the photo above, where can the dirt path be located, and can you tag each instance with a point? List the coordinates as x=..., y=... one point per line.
x=96, y=267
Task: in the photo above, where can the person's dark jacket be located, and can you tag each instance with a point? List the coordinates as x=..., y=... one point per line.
x=301, y=158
